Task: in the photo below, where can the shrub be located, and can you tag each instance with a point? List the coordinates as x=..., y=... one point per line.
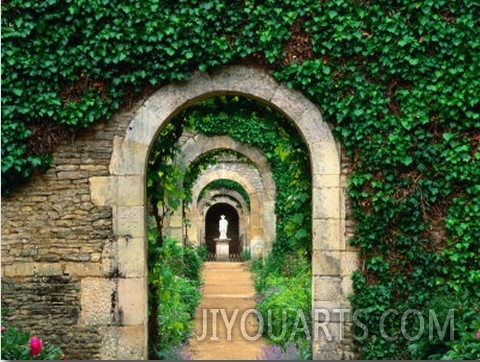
x=283, y=286
x=202, y=252
x=193, y=263
x=246, y=255
x=464, y=312
x=18, y=345
x=175, y=271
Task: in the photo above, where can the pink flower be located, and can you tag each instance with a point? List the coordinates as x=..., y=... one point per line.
x=478, y=334
x=3, y=328
x=35, y=346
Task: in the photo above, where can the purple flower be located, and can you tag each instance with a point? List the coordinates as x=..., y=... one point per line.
x=275, y=352
x=478, y=334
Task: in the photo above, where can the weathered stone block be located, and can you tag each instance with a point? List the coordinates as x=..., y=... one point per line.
x=132, y=301
x=132, y=159
x=326, y=235
x=326, y=181
x=82, y=269
x=103, y=190
x=294, y=104
x=48, y=269
x=347, y=287
x=326, y=203
x=250, y=81
x=18, y=270
x=72, y=175
x=314, y=129
x=326, y=263
x=132, y=258
x=349, y=262
x=327, y=288
x=146, y=123
x=328, y=340
x=130, y=220
x=98, y=297
x=328, y=311
x=325, y=158
x=132, y=343
x=131, y=191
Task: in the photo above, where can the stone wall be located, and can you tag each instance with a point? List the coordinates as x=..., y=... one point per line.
x=73, y=240
x=53, y=237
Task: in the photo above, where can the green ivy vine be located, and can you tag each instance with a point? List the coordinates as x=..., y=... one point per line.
x=397, y=81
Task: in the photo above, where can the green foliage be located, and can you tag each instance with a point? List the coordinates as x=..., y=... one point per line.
x=283, y=283
x=397, y=81
x=193, y=171
x=175, y=272
x=17, y=162
x=463, y=326
x=164, y=174
x=16, y=346
x=246, y=255
x=202, y=252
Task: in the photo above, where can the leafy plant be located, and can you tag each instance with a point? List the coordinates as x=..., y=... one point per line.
x=246, y=255
x=18, y=345
x=175, y=273
x=284, y=300
x=397, y=82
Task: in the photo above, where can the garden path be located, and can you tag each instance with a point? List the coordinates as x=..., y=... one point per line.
x=227, y=287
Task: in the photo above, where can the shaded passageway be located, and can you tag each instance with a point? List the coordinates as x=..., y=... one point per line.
x=227, y=294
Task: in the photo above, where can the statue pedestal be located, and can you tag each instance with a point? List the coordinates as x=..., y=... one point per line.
x=222, y=249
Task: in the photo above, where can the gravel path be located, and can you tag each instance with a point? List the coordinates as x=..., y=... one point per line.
x=227, y=293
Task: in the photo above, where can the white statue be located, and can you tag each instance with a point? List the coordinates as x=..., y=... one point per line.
x=222, y=227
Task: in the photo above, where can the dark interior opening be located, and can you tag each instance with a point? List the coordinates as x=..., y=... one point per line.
x=211, y=226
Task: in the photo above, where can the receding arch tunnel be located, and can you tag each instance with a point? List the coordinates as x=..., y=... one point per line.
x=124, y=190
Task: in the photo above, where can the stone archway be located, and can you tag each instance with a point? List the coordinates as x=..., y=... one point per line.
x=124, y=190
x=213, y=194
x=198, y=212
x=258, y=208
x=201, y=144
x=196, y=145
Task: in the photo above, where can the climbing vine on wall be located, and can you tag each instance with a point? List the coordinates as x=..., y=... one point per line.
x=398, y=82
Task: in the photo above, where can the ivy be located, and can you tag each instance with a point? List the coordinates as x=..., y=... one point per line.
x=397, y=82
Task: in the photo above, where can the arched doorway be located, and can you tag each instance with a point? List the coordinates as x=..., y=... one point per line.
x=212, y=218
x=124, y=190
x=261, y=231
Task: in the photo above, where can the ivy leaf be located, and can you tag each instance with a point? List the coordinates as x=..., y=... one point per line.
x=448, y=136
